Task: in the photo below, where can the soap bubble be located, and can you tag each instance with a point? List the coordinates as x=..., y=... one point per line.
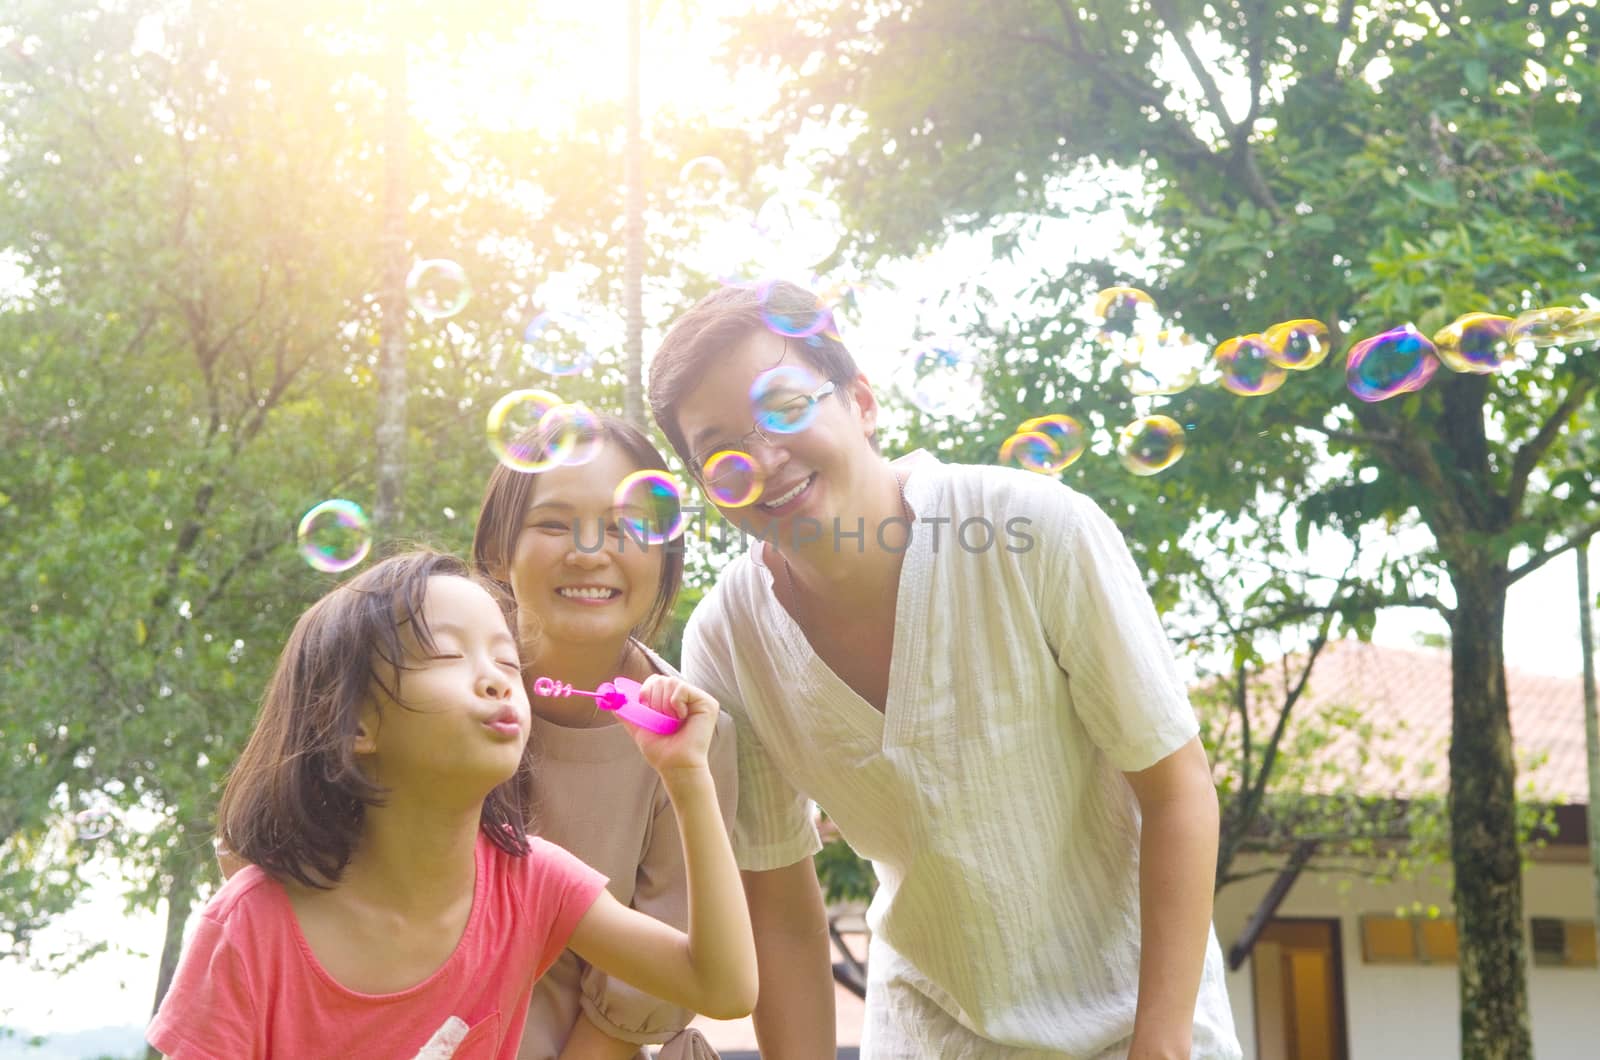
x=791, y=311
x=781, y=401
x=1124, y=313
x=1248, y=368
x=1298, y=345
x=437, y=289
x=1399, y=361
x=1031, y=451
x=334, y=536
x=732, y=478
x=941, y=378
x=1150, y=445
x=1163, y=363
x=96, y=822
x=799, y=227
x=517, y=423
x=703, y=180
x=560, y=342
x=1476, y=343
x=1068, y=436
x=649, y=506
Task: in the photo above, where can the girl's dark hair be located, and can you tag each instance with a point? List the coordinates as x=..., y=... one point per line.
x=509, y=493
x=296, y=799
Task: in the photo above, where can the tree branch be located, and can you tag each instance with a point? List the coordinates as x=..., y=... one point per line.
x=1583, y=534
x=1527, y=457
x=1208, y=84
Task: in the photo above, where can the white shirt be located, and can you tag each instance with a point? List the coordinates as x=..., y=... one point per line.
x=1025, y=674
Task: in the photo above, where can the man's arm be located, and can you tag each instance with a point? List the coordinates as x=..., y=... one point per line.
x=794, y=1008
x=1177, y=868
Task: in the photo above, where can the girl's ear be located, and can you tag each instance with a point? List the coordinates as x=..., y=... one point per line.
x=366, y=739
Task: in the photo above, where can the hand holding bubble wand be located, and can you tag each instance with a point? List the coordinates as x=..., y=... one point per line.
x=620, y=695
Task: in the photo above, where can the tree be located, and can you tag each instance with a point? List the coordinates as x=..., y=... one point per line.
x=192, y=240
x=1365, y=165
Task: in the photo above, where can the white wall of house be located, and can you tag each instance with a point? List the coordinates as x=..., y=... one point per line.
x=1410, y=1011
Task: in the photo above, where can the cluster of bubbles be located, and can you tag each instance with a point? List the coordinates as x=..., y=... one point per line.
x=533, y=431
x=1159, y=361
x=1402, y=360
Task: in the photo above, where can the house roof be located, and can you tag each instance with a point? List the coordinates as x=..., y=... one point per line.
x=1404, y=693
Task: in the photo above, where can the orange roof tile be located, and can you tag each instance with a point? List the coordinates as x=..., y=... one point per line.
x=1405, y=694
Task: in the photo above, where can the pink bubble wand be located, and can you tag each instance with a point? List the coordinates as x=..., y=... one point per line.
x=620, y=695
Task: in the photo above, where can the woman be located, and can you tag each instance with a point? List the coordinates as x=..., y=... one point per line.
x=589, y=598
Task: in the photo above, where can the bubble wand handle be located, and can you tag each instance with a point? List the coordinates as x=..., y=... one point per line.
x=620, y=695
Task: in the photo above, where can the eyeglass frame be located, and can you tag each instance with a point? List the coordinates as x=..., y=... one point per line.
x=700, y=460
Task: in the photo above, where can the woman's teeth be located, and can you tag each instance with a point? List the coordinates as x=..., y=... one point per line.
x=588, y=594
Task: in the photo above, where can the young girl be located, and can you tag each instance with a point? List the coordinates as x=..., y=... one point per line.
x=391, y=904
x=589, y=598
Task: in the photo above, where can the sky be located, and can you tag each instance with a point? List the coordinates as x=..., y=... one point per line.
x=115, y=988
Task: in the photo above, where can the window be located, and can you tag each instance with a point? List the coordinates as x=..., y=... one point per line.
x=1563, y=943
x=1408, y=940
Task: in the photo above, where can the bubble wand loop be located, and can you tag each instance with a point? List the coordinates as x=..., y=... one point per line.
x=620, y=695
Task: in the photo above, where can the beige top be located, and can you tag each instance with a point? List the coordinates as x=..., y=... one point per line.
x=599, y=799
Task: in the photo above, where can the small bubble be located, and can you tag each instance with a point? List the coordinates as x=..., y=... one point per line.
x=941, y=378
x=437, y=289
x=1248, y=368
x=703, y=180
x=1298, y=345
x=96, y=822
x=781, y=401
x=1150, y=445
x=733, y=478
x=560, y=342
x=334, y=536
x=649, y=505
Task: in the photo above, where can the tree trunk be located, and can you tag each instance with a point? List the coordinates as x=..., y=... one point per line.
x=391, y=429
x=633, y=237
x=183, y=869
x=1483, y=838
x=1591, y=723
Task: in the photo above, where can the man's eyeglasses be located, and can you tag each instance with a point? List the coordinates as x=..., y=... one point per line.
x=784, y=415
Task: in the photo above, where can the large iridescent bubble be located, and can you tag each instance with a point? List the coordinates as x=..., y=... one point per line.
x=1399, y=361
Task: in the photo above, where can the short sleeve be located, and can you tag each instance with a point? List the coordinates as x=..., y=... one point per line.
x=564, y=889
x=1100, y=620
x=775, y=825
x=661, y=890
x=208, y=1012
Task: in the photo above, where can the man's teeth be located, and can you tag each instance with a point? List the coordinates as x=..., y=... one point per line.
x=588, y=594
x=779, y=502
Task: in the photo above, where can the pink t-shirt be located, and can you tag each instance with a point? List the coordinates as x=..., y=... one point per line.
x=249, y=986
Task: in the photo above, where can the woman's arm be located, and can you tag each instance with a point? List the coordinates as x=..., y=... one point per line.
x=712, y=968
